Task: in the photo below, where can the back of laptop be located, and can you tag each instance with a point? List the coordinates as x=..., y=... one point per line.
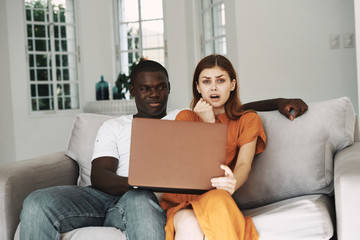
x=175, y=156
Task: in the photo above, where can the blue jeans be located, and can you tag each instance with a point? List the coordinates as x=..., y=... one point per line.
x=49, y=212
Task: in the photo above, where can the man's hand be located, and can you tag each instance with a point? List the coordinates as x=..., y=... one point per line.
x=289, y=107
x=292, y=107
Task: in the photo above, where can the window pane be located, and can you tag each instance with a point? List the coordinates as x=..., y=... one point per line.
x=40, y=39
x=140, y=35
x=40, y=45
x=44, y=90
x=129, y=35
x=67, y=89
x=42, y=61
x=63, y=31
x=43, y=75
x=45, y=104
x=151, y=9
x=65, y=61
x=39, y=15
x=153, y=34
x=66, y=93
x=127, y=59
x=31, y=60
x=62, y=12
x=207, y=25
x=66, y=75
x=66, y=67
x=33, y=90
x=208, y=48
x=219, y=20
x=29, y=30
x=34, y=105
x=156, y=55
x=40, y=31
x=220, y=46
x=36, y=3
x=32, y=75
x=214, y=34
x=64, y=46
x=28, y=14
x=129, y=11
x=30, y=45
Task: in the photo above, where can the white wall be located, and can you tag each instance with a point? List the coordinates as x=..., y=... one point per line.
x=283, y=49
x=33, y=135
x=279, y=48
x=7, y=141
x=181, y=60
x=357, y=30
x=29, y=135
x=96, y=40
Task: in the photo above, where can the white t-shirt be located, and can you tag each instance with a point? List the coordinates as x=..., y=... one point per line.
x=113, y=140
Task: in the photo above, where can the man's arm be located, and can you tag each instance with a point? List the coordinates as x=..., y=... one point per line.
x=104, y=177
x=284, y=105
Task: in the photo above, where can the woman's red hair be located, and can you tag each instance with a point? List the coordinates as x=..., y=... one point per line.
x=233, y=106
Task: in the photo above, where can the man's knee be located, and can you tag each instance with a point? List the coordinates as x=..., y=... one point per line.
x=33, y=204
x=139, y=197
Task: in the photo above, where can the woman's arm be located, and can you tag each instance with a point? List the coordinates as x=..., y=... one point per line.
x=244, y=162
x=234, y=180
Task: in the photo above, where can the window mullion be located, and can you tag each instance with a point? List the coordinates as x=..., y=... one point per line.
x=140, y=30
x=53, y=58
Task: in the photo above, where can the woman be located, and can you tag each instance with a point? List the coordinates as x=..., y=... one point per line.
x=214, y=215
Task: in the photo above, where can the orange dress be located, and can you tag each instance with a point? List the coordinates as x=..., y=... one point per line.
x=216, y=211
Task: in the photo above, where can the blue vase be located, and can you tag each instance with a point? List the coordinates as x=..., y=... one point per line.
x=115, y=92
x=102, y=89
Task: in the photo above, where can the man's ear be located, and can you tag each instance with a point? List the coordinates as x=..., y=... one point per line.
x=131, y=90
x=169, y=86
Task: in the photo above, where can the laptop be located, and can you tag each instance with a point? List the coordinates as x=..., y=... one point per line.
x=176, y=156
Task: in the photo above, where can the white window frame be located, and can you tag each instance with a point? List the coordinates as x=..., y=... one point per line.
x=210, y=39
x=56, y=86
x=121, y=47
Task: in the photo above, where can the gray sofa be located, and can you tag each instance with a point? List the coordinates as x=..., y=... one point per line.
x=305, y=185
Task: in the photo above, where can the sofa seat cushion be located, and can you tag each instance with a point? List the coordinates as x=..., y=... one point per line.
x=307, y=217
x=87, y=233
x=94, y=233
x=299, y=156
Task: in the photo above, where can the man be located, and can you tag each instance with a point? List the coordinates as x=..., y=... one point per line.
x=48, y=213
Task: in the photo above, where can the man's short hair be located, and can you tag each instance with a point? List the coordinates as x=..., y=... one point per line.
x=147, y=66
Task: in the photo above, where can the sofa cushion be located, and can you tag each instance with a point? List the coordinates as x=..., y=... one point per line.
x=298, y=159
x=87, y=233
x=81, y=143
x=307, y=217
x=94, y=233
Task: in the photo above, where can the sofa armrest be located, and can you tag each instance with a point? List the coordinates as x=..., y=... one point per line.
x=19, y=179
x=347, y=191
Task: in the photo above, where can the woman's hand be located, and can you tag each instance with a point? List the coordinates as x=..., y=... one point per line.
x=205, y=111
x=227, y=182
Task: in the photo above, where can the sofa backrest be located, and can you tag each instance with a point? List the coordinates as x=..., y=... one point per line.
x=298, y=159
x=81, y=143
